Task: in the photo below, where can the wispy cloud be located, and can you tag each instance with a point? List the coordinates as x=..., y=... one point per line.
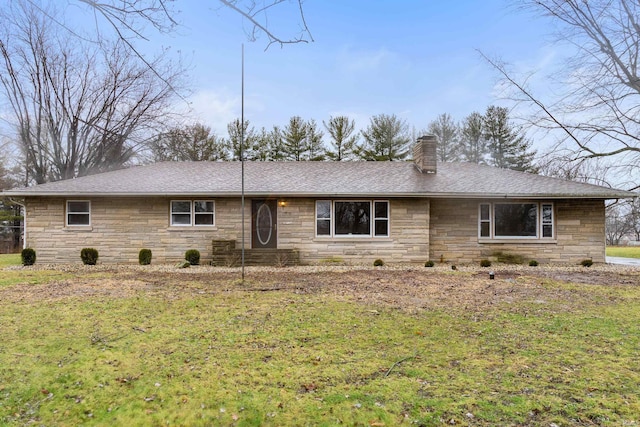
x=352, y=60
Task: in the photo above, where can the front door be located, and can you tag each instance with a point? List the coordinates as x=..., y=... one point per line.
x=264, y=224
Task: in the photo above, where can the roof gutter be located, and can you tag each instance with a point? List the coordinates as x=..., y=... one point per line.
x=613, y=195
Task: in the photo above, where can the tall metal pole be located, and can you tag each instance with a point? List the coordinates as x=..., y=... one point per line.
x=242, y=156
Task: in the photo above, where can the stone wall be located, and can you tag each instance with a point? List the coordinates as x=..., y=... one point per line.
x=120, y=227
x=579, y=234
x=419, y=230
x=408, y=240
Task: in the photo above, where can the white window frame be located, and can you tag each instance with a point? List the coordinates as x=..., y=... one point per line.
x=372, y=219
x=540, y=221
x=70, y=212
x=192, y=213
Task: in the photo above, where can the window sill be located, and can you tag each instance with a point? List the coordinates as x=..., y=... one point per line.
x=518, y=241
x=194, y=228
x=335, y=239
x=78, y=228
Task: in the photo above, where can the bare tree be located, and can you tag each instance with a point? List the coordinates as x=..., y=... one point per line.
x=128, y=17
x=616, y=225
x=189, y=143
x=597, y=109
x=78, y=108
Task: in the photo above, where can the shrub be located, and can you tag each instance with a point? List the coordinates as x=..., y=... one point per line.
x=144, y=256
x=193, y=256
x=378, y=263
x=485, y=263
x=586, y=262
x=533, y=263
x=28, y=256
x=89, y=256
x=429, y=263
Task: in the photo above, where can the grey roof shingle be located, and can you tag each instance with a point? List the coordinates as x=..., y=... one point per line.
x=319, y=179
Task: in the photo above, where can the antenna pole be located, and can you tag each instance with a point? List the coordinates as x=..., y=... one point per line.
x=242, y=156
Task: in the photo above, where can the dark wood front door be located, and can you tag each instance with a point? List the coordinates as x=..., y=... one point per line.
x=264, y=224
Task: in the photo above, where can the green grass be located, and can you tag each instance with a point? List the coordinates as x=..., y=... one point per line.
x=624, y=251
x=7, y=260
x=190, y=356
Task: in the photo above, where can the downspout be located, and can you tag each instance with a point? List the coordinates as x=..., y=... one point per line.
x=24, y=221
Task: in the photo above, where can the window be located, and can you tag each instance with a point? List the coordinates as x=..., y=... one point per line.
x=192, y=212
x=381, y=218
x=323, y=218
x=515, y=220
x=356, y=218
x=78, y=212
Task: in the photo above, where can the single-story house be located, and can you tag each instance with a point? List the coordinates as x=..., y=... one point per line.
x=314, y=212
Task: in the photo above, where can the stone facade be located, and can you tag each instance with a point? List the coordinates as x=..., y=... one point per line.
x=420, y=229
x=120, y=227
x=579, y=234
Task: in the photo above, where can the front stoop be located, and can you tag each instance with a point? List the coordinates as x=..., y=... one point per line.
x=225, y=254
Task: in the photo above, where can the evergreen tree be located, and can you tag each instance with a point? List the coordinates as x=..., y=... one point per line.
x=295, y=139
x=473, y=145
x=315, y=146
x=343, y=141
x=276, y=145
x=508, y=147
x=235, y=133
x=387, y=138
x=447, y=131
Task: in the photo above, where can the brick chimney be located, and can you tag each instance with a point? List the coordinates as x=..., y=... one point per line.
x=424, y=153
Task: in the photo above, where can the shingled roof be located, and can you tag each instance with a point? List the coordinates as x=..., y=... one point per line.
x=319, y=179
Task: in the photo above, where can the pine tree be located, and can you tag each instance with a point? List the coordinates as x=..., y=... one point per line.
x=295, y=139
x=447, y=131
x=315, y=146
x=473, y=145
x=249, y=139
x=508, y=148
x=343, y=141
x=387, y=138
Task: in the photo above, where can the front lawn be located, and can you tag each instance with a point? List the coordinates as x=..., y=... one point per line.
x=298, y=347
x=624, y=251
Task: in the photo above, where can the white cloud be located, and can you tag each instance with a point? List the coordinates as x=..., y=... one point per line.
x=215, y=108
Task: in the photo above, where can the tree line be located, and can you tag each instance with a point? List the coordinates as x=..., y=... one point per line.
x=488, y=138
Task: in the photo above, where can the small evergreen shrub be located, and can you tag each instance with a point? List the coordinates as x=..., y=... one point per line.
x=485, y=263
x=378, y=263
x=193, y=256
x=586, y=262
x=453, y=267
x=533, y=263
x=28, y=256
x=429, y=263
x=144, y=256
x=89, y=256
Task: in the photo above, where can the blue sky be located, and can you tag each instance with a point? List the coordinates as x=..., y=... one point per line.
x=415, y=59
